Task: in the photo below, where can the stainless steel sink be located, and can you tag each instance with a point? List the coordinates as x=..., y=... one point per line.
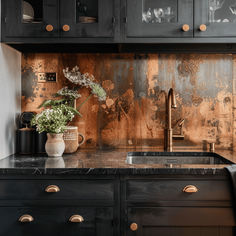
x=193, y=158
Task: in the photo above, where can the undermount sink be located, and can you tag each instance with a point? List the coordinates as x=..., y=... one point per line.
x=191, y=158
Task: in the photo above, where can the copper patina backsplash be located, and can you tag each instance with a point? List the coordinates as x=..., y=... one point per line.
x=134, y=112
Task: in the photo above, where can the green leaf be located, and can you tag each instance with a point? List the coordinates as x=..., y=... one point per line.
x=75, y=111
x=49, y=103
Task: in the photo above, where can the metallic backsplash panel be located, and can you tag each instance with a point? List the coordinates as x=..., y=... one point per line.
x=134, y=112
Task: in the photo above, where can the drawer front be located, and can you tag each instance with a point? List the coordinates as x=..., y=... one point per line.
x=172, y=190
x=55, y=221
x=68, y=189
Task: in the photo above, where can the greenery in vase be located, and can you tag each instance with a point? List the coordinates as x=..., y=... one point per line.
x=53, y=120
x=59, y=112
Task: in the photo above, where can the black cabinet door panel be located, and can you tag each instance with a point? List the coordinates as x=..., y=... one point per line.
x=181, y=221
x=97, y=20
x=45, y=13
x=55, y=221
x=218, y=16
x=158, y=19
x=184, y=231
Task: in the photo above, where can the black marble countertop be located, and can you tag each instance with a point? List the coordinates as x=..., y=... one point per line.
x=98, y=162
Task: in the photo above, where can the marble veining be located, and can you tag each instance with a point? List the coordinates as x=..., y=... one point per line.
x=98, y=162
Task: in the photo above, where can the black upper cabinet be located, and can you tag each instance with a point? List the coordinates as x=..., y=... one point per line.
x=58, y=19
x=217, y=17
x=159, y=19
x=87, y=18
x=31, y=18
x=118, y=21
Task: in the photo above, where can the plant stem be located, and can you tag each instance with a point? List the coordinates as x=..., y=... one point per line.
x=84, y=101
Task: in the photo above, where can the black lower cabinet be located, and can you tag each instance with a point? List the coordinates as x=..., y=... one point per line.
x=116, y=206
x=56, y=221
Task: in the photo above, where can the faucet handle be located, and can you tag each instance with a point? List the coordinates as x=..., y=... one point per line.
x=180, y=124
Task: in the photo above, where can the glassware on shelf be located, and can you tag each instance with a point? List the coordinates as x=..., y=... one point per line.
x=213, y=6
x=233, y=9
x=168, y=14
x=158, y=15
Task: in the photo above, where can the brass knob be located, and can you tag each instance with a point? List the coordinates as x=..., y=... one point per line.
x=66, y=28
x=185, y=27
x=52, y=189
x=134, y=226
x=26, y=219
x=203, y=28
x=49, y=28
x=190, y=189
x=76, y=219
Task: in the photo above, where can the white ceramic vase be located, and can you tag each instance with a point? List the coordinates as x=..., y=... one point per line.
x=55, y=145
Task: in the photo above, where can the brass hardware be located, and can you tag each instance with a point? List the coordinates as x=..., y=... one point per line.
x=185, y=28
x=66, y=28
x=26, y=219
x=49, y=28
x=76, y=219
x=133, y=226
x=52, y=189
x=203, y=28
x=190, y=189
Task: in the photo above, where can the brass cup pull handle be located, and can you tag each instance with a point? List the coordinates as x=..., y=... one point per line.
x=76, y=219
x=49, y=28
x=185, y=27
x=190, y=189
x=134, y=226
x=66, y=28
x=26, y=219
x=52, y=189
x=203, y=27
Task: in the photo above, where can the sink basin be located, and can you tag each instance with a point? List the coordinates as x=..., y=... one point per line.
x=191, y=158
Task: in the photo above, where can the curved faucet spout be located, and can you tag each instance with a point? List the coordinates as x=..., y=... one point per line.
x=171, y=103
x=172, y=98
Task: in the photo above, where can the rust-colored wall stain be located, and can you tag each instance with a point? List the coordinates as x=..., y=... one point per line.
x=134, y=113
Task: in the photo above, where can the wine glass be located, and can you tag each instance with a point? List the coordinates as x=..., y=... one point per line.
x=158, y=13
x=168, y=13
x=213, y=6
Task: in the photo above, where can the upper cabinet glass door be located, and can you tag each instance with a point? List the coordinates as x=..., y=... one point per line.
x=87, y=18
x=31, y=18
x=215, y=18
x=162, y=18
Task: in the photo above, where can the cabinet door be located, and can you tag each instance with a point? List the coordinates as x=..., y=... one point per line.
x=30, y=18
x=217, y=18
x=52, y=221
x=87, y=18
x=185, y=221
x=159, y=19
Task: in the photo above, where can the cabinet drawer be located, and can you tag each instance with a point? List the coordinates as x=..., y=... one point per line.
x=55, y=221
x=181, y=216
x=68, y=189
x=172, y=190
